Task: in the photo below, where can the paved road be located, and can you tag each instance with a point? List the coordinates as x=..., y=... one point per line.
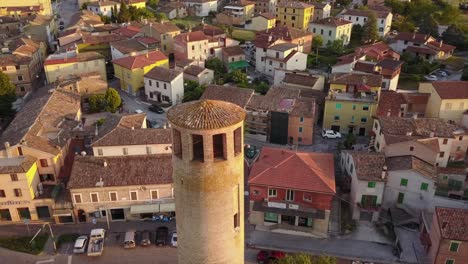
x=66, y=9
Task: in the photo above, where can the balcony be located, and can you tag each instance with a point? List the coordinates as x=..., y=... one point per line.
x=369, y=207
x=356, y=97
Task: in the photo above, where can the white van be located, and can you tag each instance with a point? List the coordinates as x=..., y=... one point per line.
x=129, y=239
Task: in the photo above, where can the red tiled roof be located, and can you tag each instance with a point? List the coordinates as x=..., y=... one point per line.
x=440, y=46
x=192, y=36
x=140, y=61
x=364, y=66
x=414, y=37
x=86, y=56
x=423, y=50
x=128, y=31
x=365, y=13
x=282, y=168
x=148, y=40
x=331, y=21
x=452, y=223
x=267, y=16
x=100, y=39
x=389, y=104
x=451, y=89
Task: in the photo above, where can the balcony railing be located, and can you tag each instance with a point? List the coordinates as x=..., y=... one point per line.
x=369, y=207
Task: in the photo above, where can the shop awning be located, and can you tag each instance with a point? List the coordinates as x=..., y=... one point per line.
x=238, y=65
x=62, y=212
x=262, y=207
x=167, y=207
x=144, y=208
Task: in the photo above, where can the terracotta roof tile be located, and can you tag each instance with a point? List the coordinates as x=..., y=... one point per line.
x=140, y=61
x=304, y=107
x=413, y=37
x=266, y=15
x=299, y=79
x=127, y=46
x=165, y=27
x=313, y=172
x=368, y=165
x=162, y=74
x=282, y=47
x=20, y=164
x=120, y=171
x=390, y=103
x=191, y=36
x=332, y=22
x=194, y=70
x=72, y=57
x=276, y=33
x=422, y=127
x=231, y=94
x=356, y=79
x=294, y=4
x=411, y=163
x=101, y=39
x=452, y=223
x=423, y=49
x=451, y=89
x=205, y=114
x=209, y=30
x=364, y=66
x=365, y=13
x=128, y=31
x=233, y=51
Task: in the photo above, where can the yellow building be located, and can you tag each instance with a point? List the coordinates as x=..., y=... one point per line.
x=164, y=32
x=351, y=102
x=131, y=70
x=72, y=63
x=263, y=21
x=294, y=14
x=136, y=3
x=23, y=7
x=448, y=100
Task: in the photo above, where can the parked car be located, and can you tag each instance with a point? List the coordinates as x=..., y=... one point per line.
x=80, y=245
x=61, y=23
x=174, y=239
x=441, y=73
x=138, y=111
x=145, y=238
x=129, y=241
x=161, y=236
x=157, y=109
x=431, y=77
x=265, y=257
x=152, y=124
x=330, y=134
x=61, y=27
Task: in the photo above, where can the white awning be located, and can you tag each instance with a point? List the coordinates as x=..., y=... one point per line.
x=167, y=207
x=144, y=208
x=62, y=213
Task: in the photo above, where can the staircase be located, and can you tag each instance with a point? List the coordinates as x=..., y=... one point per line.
x=334, y=223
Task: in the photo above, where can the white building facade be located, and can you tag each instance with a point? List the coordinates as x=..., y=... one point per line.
x=164, y=85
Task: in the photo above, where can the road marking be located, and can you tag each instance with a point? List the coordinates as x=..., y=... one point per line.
x=45, y=261
x=70, y=259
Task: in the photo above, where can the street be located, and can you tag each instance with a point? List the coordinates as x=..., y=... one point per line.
x=66, y=9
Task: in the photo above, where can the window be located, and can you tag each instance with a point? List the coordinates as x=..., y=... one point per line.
x=165, y=86
x=445, y=141
x=157, y=84
x=193, y=47
x=462, y=106
x=289, y=195
x=270, y=217
x=307, y=197
x=2, y=194
x=18, y=192
x=236, y=221
x=371, y=185
x=299, y=139
x=301, y=119
x=256, y=192
x=300, y=129
x=281, y=65
x=454, y=246
x=321, y=31
x=154, y=194
x=77, y=198
x=219, y=146
x=313, y=30
x=404, y=182
x=133, y=195
x=148, y=150
x=411, y=148
x=450, y=261
x=22, y=89
x=354, y=107
x=363, y=119
x=448, y=106
x=150, y=83
x=441, y=154
x=20, y=77
x=357, y=18
x=271, y=62
x=401, y=197
x=460, y=138
x=44, y=163
x=197, y=147
x=338, y=106
x=365, y=19
x=113, y=196
x=125, y=151
x=177, y=144
x=237, y=141
x=272, y=193
x=352, y=119
x=380, y=29
x=14, y=177
x=365, y=108
x=424, y=186
x=94, y=197
x=329, y=32
x=336, y=118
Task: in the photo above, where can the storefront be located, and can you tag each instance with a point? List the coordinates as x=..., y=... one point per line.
x=16, y=211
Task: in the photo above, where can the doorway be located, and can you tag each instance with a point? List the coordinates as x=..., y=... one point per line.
x=81, y=216
x=365, y=216
x=117, y=214
x=287, y=219
x=362, y=131
x=350, y=129
x=43, y=212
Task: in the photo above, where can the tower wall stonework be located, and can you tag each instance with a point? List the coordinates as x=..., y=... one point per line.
x=208, y=195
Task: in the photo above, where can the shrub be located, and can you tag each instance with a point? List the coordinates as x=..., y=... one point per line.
x=22, y=244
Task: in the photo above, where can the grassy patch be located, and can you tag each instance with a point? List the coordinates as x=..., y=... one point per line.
x=456, y=63
x=21, y=244
x=66, y=238
x=322, y=61
x=241, y=34
x=409, y=81
x=188, y=22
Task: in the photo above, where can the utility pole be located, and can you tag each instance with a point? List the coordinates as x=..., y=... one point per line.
x=100, y=183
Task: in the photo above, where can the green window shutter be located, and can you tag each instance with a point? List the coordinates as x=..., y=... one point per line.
x=454, y=246
x=401, y=197
x=374, y=200
x=271, y=217
x=371, y=184
x=338, y=106
x=424, y=186
x=404, y=182
x=449, y=261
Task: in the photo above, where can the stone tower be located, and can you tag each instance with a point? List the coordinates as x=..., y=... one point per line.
x=208, y=173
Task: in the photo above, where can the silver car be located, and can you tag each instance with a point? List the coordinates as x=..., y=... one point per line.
x=80, y=245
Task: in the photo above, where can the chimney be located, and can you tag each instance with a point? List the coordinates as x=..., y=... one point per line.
x=7, y=149
x=105, y=165
x=441, y=43
x=384, y=174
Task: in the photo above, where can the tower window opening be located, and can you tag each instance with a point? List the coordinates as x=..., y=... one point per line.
x=219, y=146
x=237, y=141
x=198, y=147
x=177, y=144
x=236, y=221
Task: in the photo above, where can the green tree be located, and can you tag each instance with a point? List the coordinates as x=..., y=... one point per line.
x=335, y=47
x=317, y=43
x=303, y=258
x=349, y=141
x=239, y=77
x=454, y=36
x=114, y=14
x=97, y=103
x=369, y=30
x=217, y=66
x=124, y=14
x=153, y=3
x=261, y=87
x=193, y=91
x=429, y=26
x=84, y=6
x=160, y=17
x=113, y=100
x=7, y=95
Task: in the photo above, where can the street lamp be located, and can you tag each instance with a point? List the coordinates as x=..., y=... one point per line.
x=100, y=183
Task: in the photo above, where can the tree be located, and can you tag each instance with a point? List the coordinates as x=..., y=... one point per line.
x=124, y=14
x=239, y=77
x=343, y=3
x=217, y=66
x=113, y=100
x=114, y=13
x=160, y=17
x=84, y=6
x=369, y=31
x=429, y=26
x=349, y=141
x=193, y=91
x=153, y=3
x=335, y=47
x=7, y=95
x=97, y=103
x=454, y=36
x=303, y=258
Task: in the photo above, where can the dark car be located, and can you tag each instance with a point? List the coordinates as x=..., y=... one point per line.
x=61, y=27
x=161, y=236
x=266, y=257
x=61, y=23
x=156, y=109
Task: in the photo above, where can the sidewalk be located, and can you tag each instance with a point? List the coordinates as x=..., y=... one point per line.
x=343, y=248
